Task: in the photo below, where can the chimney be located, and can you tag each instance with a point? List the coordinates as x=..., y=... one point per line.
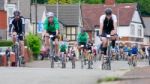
x=110, y=2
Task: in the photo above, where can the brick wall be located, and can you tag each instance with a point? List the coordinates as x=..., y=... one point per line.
x=3, y=19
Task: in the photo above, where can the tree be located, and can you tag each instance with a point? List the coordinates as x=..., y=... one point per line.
x=144, y=7
x=126, y=1
x=39, y=1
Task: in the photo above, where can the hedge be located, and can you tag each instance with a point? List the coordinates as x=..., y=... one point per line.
x=5, y=43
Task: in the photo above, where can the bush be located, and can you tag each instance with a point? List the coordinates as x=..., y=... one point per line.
x=34, y=43
x=6, y=43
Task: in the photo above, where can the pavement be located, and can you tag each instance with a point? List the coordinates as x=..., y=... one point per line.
x=137, y=76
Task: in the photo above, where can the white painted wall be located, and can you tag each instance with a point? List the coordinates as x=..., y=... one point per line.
x=136, y=17
x=136, y=30
x=147, y=40
x=123, y=31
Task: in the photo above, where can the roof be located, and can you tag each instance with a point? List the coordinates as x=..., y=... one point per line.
x=1, y=4
x=24, y=7
x=67, y=14
x=92, y=13
x=147, y=25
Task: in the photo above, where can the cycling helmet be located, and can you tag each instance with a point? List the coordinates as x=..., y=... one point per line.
x=17, y=13
x=108, y=11
x=50, y=14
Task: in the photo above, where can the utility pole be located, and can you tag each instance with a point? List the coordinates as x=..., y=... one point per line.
x=18, y=4
x=36, y=17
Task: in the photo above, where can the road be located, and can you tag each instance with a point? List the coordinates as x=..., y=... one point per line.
x=38, y=72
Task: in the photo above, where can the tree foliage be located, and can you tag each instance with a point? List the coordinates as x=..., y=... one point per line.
x=60, y=1
x=39, y=1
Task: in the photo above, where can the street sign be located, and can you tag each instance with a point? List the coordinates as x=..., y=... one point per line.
x=39, y=27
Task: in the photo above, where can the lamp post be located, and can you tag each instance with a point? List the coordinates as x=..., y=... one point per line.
x=36, y=17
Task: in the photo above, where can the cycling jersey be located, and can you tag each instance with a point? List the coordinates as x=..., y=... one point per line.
x=83, y=37
x=51, y=27
x=134, y=50
x=108, y=24
x=17, y=25
x=63, y=47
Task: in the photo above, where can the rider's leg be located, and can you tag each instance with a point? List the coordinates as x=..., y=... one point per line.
x=46, y=41
x=14, y=37
x=104, y=45
x=22, y=47
x=113, y=38
x=21, y=42
x=56, y=46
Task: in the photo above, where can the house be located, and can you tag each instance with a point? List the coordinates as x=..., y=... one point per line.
x=3, y=20
x=130, y=24
x=147, y=30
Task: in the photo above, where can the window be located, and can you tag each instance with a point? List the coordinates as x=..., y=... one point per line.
x=140, y=30
x=10, y=12
x=97, y=32
x=132, y=29
x=71, y=33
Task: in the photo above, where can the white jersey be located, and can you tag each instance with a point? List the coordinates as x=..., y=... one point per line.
x=102, y=18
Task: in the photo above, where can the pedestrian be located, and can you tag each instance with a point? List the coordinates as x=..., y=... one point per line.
x=148, y=49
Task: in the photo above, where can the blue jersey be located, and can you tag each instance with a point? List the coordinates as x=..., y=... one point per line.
x=134, y=50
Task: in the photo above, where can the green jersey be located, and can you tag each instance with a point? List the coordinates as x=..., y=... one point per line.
x=83, y=37
x=63, y=47
x=51, y=27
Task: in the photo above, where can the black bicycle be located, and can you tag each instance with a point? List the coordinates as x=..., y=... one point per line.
x=20, y=61
x=106, y=62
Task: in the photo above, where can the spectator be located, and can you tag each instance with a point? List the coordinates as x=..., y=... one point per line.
x=148, y=49
x=7, y=52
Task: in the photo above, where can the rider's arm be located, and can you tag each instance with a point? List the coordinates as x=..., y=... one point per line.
x=10, y=25
x=56, y=22
x=23, y=25
x=101, y=23
x=115, y=22
x=45, y=25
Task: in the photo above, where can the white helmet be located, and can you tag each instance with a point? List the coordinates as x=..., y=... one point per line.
x=50, y=14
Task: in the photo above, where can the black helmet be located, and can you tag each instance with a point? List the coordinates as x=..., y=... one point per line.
x=108, y=11
x=16, y=13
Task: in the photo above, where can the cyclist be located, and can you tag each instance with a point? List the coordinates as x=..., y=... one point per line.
x=63, y=52
x=108, y=25
x=83, y=38
x=134, y=53
x=89, y=55
x=125, y=49
x=17, y=29
x=51, y=27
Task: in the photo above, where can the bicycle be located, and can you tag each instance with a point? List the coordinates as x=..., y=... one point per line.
x=89, y=57
x=82, y=56
x=52, y=51
x=63, y=59
x=73, y=59
x=132, y=61
x=20, y=61
x=106, y=62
